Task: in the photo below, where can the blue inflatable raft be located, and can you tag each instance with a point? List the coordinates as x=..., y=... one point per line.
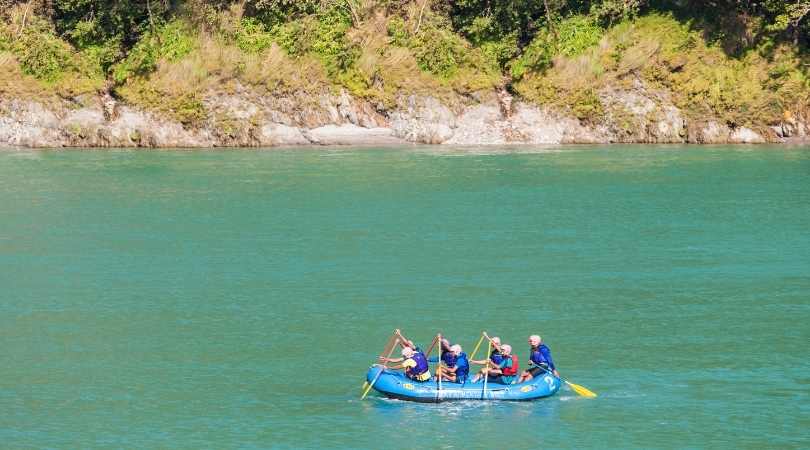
x=394, y=384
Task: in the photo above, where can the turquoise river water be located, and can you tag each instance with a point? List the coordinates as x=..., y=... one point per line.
x=235, y=299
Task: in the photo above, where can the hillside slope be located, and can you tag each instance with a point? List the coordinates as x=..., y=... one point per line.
x=234, y=75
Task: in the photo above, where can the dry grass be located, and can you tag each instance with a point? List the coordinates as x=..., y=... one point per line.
x=214, y=67
x=15, y=83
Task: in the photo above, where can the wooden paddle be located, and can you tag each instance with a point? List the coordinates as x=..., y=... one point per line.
x=390, y=346
x=391, y=343
x=478, y=345
x=439, y=368
x=486, y=368
x=432, y=344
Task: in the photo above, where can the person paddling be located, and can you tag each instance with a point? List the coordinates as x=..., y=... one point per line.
x=413, y=360
x=495, y=360
x=458, y=368
x=508, y=368
x=447, y=357
x=447, y=354
x=540, y=357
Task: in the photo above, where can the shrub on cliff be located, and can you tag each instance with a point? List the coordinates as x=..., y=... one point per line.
x=570, y=38
x=658, y=52
x=39, y=63
x=169, y=42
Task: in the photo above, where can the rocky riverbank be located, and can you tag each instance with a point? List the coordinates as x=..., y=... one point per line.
x=238, y=75
x=246, y=119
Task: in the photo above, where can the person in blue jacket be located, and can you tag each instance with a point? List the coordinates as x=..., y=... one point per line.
x=447, y=355
x=493, y=364
x=456, y=366
x=508, y=367
x=540, y=357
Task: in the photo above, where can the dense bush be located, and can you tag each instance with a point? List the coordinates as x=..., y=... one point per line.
x=40, y=52
x=169, y=42
x=252, y=36
x=572, y=37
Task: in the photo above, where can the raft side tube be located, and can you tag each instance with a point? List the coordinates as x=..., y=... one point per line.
x=394, y=384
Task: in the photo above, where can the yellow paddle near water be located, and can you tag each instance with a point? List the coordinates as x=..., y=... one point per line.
x=387, y=351
x=581, y=390
x=371, y=385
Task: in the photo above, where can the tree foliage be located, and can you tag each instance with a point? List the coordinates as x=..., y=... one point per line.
x=126, y=37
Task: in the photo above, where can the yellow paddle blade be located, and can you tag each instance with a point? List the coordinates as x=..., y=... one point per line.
x=581, y=390
x=365, y=385
x=367, y=390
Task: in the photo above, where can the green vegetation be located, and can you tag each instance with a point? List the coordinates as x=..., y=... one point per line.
x=741, y=61
x=36, y=62
x=702, y=80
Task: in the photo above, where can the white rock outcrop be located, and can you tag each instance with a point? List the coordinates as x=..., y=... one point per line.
x=245, y=118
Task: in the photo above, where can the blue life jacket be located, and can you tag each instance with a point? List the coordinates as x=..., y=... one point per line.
x=462, y=368
x=542, y=356
x=449, y=359
x=496, y=357
x=421, y=364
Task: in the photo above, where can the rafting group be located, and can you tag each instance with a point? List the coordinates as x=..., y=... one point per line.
x=500, y=378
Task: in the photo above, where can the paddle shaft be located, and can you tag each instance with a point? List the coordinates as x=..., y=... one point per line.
x=486, y=370
x=477, y=346
x=439, y=368
x=432, y=344
x=391, y=343
x=385, y=366
x=545, y=370
x=497, y=346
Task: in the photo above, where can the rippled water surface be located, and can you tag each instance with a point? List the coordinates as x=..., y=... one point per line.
x=235, y=299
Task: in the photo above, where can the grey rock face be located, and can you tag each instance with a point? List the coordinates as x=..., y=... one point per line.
x=349, y=134
x=745, y=135
x=246, y=118
x=713, y=132
x=423, y=120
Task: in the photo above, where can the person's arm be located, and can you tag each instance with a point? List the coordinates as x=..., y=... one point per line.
x=497, y=347
x=383, y=359
x=405, y=342
x=532, y=361
x=547, y=355
x=480, y=362
x=408, y=363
